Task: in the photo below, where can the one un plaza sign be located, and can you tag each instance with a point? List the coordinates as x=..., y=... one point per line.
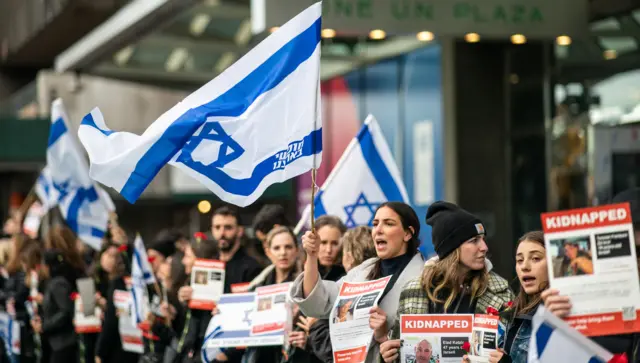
x=540, y=19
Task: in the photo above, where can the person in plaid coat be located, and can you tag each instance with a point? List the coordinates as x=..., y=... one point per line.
x=459, y=280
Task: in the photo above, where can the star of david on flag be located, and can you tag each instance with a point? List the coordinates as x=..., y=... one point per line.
x=65, y=183
x=365, y=177
x=256, y=124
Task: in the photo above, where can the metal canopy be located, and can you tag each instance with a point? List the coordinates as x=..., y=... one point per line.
x=195, y=44
x=200, y=38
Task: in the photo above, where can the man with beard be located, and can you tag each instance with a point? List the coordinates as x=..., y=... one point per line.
x=239, y=268
x=227, y=231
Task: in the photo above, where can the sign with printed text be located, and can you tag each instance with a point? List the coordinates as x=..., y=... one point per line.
x=442, y=337
x=207, y=282
x=591, y=258
x=270, y=315
x=489, y=18
x=130, y=333
x=86, y=324
x=349, y=319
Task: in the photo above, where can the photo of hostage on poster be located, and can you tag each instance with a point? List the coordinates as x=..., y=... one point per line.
x=592, y=260
x=447, y=338
x=349, y=320
x=207, y=281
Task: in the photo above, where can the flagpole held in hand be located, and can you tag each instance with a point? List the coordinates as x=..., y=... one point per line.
x=313, y=197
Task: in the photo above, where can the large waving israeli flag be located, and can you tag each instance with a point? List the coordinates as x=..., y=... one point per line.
x=553, y=340
x=256, y=124
x=365, y=177
x=65, y=182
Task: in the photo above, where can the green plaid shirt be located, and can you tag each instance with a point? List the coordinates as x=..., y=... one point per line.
x=414, y=299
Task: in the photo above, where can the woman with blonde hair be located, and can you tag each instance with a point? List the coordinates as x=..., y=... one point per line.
x=458, y=281
x=357, y=247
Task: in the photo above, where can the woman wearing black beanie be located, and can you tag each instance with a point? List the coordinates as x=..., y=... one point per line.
x=458, y=281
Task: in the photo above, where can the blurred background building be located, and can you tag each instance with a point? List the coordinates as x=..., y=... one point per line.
x=509, y=110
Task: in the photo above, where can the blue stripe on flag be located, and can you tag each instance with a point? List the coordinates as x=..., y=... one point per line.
x=45, y=184
x=145, y=274
x=311, y=144
x=596, y=359
x=135, y=304
x=378, y=167
x=232, y=103
x=236, y=299
x=542, y=337
x=88, y=121
x=82, y=195
x=318, y=209
x=58, y=128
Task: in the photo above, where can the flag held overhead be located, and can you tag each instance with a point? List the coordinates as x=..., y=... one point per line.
x=256, y=124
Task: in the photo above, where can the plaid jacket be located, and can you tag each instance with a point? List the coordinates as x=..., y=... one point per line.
x=414, y=299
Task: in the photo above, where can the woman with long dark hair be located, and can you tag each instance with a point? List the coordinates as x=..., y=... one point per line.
x=395, y=232
x=55, y=320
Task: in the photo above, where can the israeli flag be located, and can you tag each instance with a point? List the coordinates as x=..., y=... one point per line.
x=365, y=177
x=256, y=124
x=45, y=190
x=141, y=276
x=553, y=340
x=65, y=182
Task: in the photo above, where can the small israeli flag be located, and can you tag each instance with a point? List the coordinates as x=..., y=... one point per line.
x=256, y=124
x=553, y=340
x=141, y=276
x=365, y=177
x=65, y=182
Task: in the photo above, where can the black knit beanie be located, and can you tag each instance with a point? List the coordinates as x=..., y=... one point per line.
x=451, y=227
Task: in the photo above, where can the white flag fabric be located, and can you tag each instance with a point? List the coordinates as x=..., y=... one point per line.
x=365, y=177
x=45, y=190
x=553, y=340
x=256, y=124
x=141, y=276
x=65, y=182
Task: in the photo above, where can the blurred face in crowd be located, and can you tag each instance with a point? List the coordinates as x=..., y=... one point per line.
x=531, y=267
x=226, y=231
x=423, y=352
x=329, y=245
x=188, y=260
x=108, y=259
x=473, y=253
x=389, y=236
x=283, y=251
x=156, y=259
x=164, y=273
x=347, y=260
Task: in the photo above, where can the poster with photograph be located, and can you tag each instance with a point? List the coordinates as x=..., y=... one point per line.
x=484, y=337
x=130, y=334
x=591, y=258
x=207, y=281
x=349, y=320
x=435, y=338
x=232, y=326
x=272, y=311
